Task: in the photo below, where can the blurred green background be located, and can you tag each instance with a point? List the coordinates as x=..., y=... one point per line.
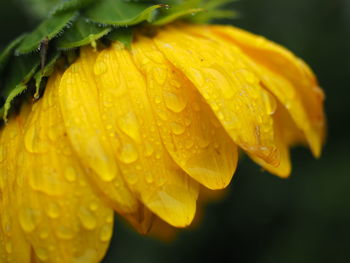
x=263, y=218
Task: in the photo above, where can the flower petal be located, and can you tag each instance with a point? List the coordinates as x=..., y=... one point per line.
x=288, y=77
x=78, y=98
x=61, y=215
x=284, y=168
x=150, y=172
x=229, y=87
x=13, y=246
x=190, y=131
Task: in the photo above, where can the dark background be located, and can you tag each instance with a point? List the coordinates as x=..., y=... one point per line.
x=263, y=218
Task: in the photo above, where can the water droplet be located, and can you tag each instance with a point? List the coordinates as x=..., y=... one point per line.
x=128, y=154
x=197, y=76
x=100, y=68
x=203, y=142
x=188, y=122
x=149, y=177
x=70, y=174
x=175, y=83
x=129, y=125
x=109, y=218
x=162, y=115
x=44, y=234
x=89, y=256
x=106, y=233
x=214, y=106
x=160, y=75
x=42, y=254
x=53, y=210
x=269, y=102
x=174, y=102
x=55, y=132
x=221, y=116
x=87, y=219
x=157, y=99
x=244, y=75
x=148, y=149
x=177, y=128
x=9, y=247
x=218, y=75
x=29, y=219
x=132, y=178
x=64, y=232
x=93, y=206
x=32, y=141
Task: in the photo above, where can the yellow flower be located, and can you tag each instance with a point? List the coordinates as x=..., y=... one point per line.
x=138, y=131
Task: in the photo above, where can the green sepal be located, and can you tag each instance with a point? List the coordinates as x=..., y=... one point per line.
x=18, y=73
x=45, y=71
x=120, y=13
x=15, y=92
x=48, y=29
x=81, y=33
x=123, y=35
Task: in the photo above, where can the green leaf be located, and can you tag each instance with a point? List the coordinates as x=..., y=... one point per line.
x=120, y=13
x=8, y=51
x=81, y=33
x=46, y=30
x=18, y=73
x=71, y=5
x=15, y=92
x=46, y=71
x=123, y=35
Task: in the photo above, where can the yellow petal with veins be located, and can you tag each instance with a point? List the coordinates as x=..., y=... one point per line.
x=288, y=77
x=190, y=131
x=150, y=172
x=60, y=214
x=229, y=87
x=78, y=96
x=13, y=245
x=282, y=138
x=286, y=133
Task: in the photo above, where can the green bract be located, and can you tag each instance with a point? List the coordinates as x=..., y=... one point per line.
x=27, y=62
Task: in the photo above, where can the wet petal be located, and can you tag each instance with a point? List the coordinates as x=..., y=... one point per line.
x=13, y=246
x=229, y=87
x=78, y=97
x=288, y=77
x=61, y=215
x=190, y=131
x=127, y=115
x=283, y=138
